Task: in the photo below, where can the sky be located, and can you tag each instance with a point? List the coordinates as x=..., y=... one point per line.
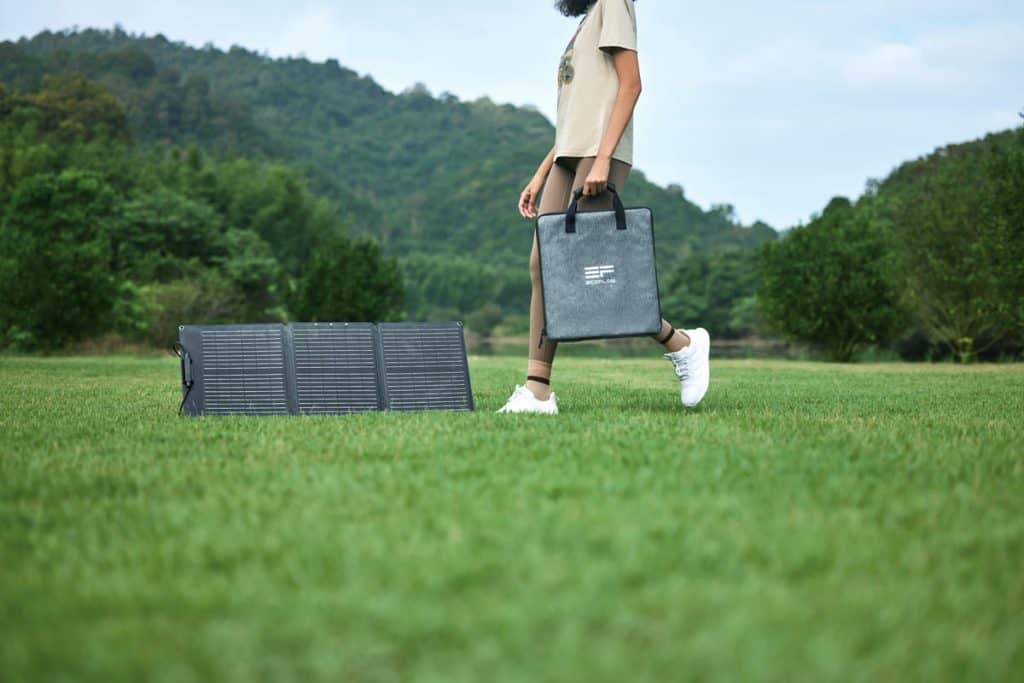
x=772, y=107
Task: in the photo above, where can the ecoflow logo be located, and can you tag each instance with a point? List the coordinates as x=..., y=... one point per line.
x=599, y=275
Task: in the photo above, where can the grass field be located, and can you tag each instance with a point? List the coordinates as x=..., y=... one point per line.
x=808, y=523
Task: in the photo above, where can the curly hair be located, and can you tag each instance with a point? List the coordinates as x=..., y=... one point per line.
x=574, y=8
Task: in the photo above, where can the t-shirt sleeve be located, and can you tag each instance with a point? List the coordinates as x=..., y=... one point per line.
x=618, y=24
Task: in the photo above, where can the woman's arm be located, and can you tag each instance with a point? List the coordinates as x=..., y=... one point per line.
x=528, y=199
x=545, y=166
x=627, y=66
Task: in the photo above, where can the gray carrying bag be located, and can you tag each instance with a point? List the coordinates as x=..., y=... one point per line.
x=598, y=273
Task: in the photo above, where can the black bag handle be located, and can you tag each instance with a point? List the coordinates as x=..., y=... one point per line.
x=620, y=210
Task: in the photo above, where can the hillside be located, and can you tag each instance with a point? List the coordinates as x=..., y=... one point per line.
x=425, y=175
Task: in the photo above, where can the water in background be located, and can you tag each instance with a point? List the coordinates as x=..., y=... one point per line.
x=634, y=347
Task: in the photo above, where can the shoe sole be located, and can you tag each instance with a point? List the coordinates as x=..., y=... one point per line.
x=528, y=412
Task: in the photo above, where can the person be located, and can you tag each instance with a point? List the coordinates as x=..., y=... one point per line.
x=598, y=87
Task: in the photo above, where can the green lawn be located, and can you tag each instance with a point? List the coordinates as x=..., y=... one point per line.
x=809, y=522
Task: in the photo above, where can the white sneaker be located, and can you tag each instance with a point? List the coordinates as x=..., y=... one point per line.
x=523, y=401
x=693, y=367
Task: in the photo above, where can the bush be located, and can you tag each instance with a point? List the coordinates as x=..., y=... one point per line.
x=715, y=289
x=56, y=284
x=828, y=283
x=483, y=320
x=349, y=280
x=205, y=297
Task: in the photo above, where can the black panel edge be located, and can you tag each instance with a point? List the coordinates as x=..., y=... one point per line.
x=191, y=348
x=465, y=357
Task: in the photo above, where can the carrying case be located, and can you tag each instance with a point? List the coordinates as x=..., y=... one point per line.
x=598, y=273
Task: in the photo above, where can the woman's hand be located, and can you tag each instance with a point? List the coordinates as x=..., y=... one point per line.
x=597, y=179
x=528, y=199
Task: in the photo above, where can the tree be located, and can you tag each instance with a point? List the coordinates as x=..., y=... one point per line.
x=70, y=106
x=160, y=232
x=273, y=201
x=483, y=321
x=716, y=289
x=55, y=280
x=206, y=296
x=455, y=283
x=828, y=283
x=1005, y=168
x=249, y=263
x=957, y=233
x=349, y=280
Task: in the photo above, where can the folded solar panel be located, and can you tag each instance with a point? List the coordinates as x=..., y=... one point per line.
x=323, y=368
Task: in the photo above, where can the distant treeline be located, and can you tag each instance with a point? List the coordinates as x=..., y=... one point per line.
x=144, y=183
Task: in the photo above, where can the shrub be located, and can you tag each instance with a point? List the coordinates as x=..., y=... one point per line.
x=828, y=283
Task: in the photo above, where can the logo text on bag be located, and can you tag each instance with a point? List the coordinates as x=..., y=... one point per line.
x=599, y=275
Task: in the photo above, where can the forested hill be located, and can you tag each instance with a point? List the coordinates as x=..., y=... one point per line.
x=144, y=183
x=424, y=174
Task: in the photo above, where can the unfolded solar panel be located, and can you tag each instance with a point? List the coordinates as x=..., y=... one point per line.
x=243, y=370
x=424, y=366
x=323, y=368
x=336, y=368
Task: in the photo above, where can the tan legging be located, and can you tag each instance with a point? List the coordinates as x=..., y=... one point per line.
x=556, y=196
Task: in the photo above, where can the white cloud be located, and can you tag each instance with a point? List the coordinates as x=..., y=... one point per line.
x=897, y=64
x=313, y=32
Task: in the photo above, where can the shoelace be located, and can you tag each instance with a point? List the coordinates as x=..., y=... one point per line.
x=520, y=391
x=524, y=392
x=682, y=366
x=509, y=401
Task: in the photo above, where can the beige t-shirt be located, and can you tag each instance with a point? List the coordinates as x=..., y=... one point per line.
x=588, y=83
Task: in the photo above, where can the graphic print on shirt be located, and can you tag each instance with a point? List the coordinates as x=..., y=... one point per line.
x=565, y=70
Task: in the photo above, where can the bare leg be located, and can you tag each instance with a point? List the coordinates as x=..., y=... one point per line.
x=555, y=197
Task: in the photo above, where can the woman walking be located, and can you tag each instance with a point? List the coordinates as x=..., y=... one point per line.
x=598, y=87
